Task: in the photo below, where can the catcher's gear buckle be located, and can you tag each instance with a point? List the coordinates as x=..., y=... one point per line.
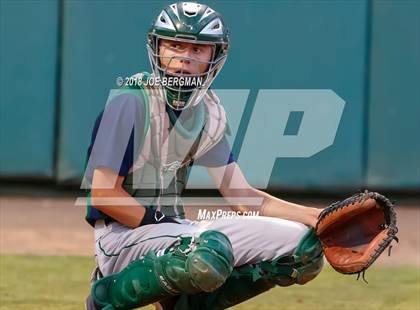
x=161, y=216
x=294, y=274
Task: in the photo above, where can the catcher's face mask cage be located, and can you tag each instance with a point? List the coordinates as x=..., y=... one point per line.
x=192, y=23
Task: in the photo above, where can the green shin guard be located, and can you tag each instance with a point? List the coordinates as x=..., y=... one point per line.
x=123, y=290
x=188, y=267
x=248, y=281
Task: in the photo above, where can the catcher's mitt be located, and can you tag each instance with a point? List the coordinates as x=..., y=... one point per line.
x=354, y=232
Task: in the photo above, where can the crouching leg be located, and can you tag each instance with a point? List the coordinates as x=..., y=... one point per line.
x=248, y=281
x=190, y=266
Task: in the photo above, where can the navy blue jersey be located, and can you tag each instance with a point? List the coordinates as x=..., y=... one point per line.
x=115, y=141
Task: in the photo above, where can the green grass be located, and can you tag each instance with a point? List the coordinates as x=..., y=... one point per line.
x=55, y=282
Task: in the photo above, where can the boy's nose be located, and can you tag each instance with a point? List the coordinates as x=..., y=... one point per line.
x=185, y=61
x=186, y=53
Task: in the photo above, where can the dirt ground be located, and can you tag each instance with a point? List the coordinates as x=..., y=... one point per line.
x=55, y=226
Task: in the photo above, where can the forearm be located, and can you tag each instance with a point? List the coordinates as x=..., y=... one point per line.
x=119, y=205
x=232, y=184
x=274, y=207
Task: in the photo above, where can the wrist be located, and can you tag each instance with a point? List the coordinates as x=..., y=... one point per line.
x=312, y=216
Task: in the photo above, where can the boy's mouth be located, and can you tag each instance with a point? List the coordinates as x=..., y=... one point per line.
x=178, y=71
x=181, y=71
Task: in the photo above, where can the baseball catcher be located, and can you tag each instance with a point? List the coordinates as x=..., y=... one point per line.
x=153, y=129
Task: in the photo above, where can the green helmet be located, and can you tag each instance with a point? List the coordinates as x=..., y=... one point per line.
x=193, y=23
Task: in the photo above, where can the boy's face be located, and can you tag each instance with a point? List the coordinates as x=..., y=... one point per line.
x=198, y=57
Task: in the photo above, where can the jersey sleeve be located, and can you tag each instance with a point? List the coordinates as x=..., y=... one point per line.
x=219, y=155
x=116, y=135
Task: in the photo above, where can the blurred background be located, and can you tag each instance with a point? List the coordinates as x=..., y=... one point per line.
x=60, y=58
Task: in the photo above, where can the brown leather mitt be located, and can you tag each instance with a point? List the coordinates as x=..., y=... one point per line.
x=355, y=231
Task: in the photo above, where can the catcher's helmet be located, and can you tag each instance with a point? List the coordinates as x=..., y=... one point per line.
x=194, y=23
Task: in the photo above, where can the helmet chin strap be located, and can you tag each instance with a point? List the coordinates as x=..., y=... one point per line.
x=177, y=100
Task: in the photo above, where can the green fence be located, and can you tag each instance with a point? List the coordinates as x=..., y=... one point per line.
x=59, y=60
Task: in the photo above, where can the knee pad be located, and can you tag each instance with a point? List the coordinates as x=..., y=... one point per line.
x=208, y=263
x=211, y=262
x=190, y=266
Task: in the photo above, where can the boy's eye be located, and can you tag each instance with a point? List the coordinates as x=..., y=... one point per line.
x=196, y=50
x=175, y=46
